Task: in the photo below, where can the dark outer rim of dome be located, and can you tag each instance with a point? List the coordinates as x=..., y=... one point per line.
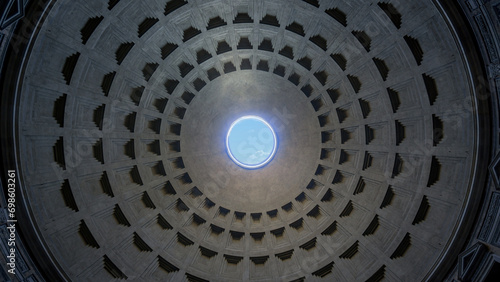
x=459, y=25
x=13, y=68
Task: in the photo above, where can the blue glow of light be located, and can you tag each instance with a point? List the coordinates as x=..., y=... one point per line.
x=251, y=142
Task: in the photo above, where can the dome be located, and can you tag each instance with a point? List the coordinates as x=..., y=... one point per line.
x=249, y=140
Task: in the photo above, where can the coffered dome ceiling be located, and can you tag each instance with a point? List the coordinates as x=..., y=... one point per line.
x=124, y=108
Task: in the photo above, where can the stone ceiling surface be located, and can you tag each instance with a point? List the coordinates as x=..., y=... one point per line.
x=124, y=107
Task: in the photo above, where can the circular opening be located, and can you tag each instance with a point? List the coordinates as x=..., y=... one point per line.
x=251, y=142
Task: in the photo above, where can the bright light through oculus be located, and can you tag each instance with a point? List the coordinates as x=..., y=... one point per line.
x=251, y=142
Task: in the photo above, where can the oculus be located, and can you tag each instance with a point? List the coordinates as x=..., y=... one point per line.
x=251, y=142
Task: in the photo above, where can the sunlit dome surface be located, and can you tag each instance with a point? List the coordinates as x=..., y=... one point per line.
x=251, y=142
